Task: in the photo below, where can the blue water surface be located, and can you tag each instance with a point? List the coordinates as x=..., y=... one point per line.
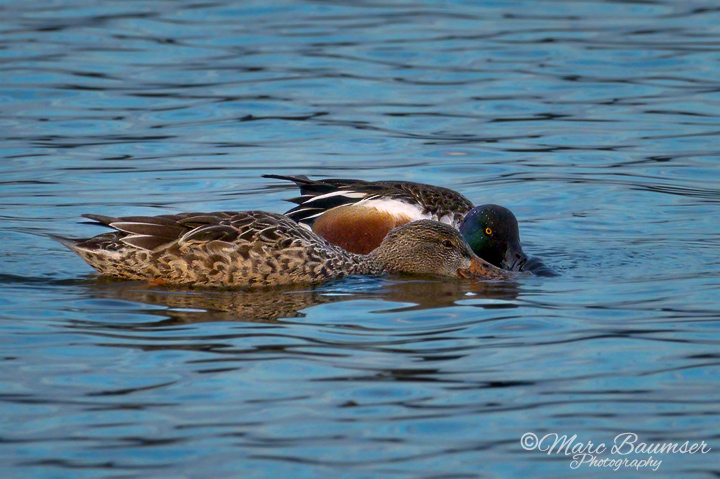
x=596, y=122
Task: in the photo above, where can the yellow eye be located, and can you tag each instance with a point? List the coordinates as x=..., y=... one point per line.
x=488, y=231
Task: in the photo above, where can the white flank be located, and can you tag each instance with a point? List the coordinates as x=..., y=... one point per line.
x=396, y=208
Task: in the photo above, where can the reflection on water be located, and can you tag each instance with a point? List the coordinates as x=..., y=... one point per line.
x=270, y=304
x=594, y=122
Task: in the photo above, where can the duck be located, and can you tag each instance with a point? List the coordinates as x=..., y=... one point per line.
x=257, y=248
x=356, y=215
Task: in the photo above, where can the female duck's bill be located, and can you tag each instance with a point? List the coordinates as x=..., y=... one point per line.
x=255, y=248
x=356, y=215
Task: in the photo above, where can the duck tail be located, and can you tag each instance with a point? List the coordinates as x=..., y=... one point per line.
x=70, y=243
x=299, y=180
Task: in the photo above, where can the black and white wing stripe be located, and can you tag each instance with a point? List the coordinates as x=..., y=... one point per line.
x=414, y=200
x=317, y=197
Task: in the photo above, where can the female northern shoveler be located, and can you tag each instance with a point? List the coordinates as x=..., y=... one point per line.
x=255, y=248
x=356, y=215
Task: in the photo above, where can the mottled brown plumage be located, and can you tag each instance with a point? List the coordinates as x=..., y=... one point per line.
x=255, y=248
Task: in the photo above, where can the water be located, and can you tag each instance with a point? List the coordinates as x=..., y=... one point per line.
x=595, y=122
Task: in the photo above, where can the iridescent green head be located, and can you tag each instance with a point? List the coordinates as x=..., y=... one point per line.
x=492, y=233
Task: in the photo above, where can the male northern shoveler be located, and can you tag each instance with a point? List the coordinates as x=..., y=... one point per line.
x=356, y=215
x=255, y=248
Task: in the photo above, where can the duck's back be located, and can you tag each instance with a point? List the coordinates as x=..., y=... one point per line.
x=220, y=249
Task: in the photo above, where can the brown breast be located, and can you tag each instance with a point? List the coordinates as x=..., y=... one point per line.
x=356, y=228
